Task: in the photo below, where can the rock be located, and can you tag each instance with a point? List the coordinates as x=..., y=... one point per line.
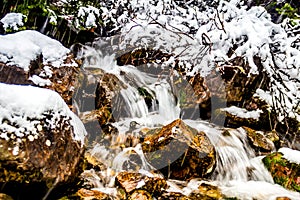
x=206, y=192
x=260, y=140
x=140, y=195
x=179, y=151
x=5, y=197
x=282, y=198
x=142, y=56
x=283, y=171
x=38, y=64
x=173, y=196
x=95, y=93
x=85, y=194
x=13, y=75
x=42, y=142
x=2, y=30
x=132, y=182
x=107, y=89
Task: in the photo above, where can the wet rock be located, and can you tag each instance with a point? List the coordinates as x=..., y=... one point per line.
x=283, y=171
x=282, y=198
x=231, y=84
x=131, y=182
x=179, y=151
x=41, y=143
x=5, y=197
x=106, y=95
x=85, y=194
x=142, y=56
x=140, y=195
x=260, y=140
x=206, y=192
x=92, y=162
x=173, y=196
x=95, y=95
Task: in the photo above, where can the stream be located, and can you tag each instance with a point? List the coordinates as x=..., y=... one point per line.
x=238, y=173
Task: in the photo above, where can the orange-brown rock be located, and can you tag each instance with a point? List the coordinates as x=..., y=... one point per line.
x=179, y=151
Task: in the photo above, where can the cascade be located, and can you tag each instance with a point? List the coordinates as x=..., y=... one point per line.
x=237, y=164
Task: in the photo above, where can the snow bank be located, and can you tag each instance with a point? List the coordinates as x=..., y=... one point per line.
x=22, y=47
x=23, y=106
x=243, y=113
x=257, y=190
x=290, y=154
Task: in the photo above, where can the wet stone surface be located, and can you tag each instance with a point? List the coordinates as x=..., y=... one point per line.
x=179, y=151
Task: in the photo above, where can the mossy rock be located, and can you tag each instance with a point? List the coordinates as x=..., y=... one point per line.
x=284, y=172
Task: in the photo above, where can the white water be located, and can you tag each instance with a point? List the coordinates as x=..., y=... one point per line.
x=239, y=173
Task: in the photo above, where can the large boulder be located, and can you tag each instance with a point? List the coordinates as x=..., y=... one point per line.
x=31, y=58
x=179, y=151
x=42, y=142
x=284, y=167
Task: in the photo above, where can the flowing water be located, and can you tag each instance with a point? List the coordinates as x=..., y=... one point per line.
x=239, y=172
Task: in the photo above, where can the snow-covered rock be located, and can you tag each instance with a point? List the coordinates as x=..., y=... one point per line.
x=284, y=167
x=38, y=135
x=22, y=47
x=29, y=57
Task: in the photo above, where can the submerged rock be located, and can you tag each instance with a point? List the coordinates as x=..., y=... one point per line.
x=283, y=168
x=179, y=151
x=42, y=142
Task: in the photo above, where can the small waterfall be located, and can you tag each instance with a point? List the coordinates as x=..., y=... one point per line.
x=134, y=103
x=168, y=107
x=236, y=160
x=237, y=165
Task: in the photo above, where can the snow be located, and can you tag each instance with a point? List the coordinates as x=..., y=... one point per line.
x=257, y=190
x=39, y=81
x=164, y=25
x=290, y=154
x=89, y=15
x=140, y=184
x=22, y=47
x=20, y=103
x=243, y=113
x=13, y=21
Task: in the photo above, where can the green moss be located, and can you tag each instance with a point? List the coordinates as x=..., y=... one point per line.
x=146, y=95
x=288, y=11
x=226, y=133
